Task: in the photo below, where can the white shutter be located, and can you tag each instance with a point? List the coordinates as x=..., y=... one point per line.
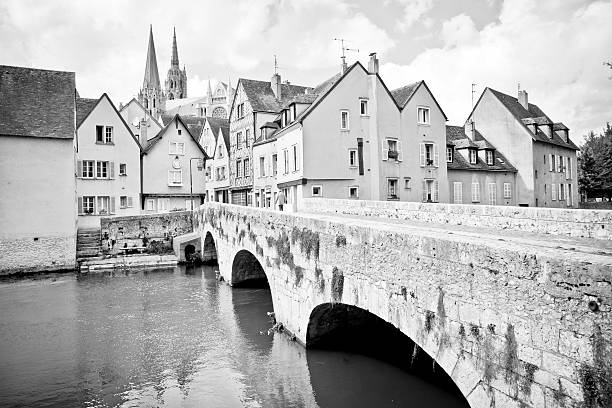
x=567, y=168
x=551, y=162
x=400, y=156
x=130, y=202
x=436, y=191
x=385, y=149
x=457, y=192
x=112, y=205
x=560, y=191
x=422, y=147
x=80, y=205
x=436, y=155
x=492, y=194
x=111, y=170
x=79, y=169
x=553, y=189
x=475, y=192
x=424, y=198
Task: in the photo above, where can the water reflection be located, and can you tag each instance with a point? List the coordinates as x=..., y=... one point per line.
x=173, y=337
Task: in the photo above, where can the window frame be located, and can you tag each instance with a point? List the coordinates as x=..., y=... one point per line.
x=90, y=209
x=172, y=145
x=426, y=117
x=472, y=153
x=172, y=180
x=395, y=195
x=102, y=169
x=489, y=154
x=356, y=188
x=123, y=169
x=507, y=190
x=407, y=183
x=450, y=154
x=84, y=169
x=363, y=103
x=262, y=166
x=108, y=135
x=348, y=120
x=312, y=188
x=353, y=159
x=457, y=192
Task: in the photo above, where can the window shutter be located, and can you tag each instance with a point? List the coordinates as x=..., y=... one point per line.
x=80, y=205
x=385, y=149
x=112, y=205
x=422, y=146
x=130, y=202
x=400, y=155
x=436, y=155
x=551, y=162
x=567, y=168
x=553, y=189
x=111, y=170
x=79, y=169
x=424, y=198
x=475, y=192
x=436, y=191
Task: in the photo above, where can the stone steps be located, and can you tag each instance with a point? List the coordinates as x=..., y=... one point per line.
x=88, y=243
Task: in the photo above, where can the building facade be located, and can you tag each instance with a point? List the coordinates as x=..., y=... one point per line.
x=151, y=95
x=540, y=149
x=176, y=80
x=107, y=163
x=38, y=200
x=215, y=141
x=173, y=170
x=265, y=167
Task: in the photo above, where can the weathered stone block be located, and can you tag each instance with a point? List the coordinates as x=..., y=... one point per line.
x=560, y=365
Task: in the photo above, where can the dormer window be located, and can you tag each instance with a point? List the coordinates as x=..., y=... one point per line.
x=473, y=155
x=489, y=157
x=449, y=154
x=263, y=133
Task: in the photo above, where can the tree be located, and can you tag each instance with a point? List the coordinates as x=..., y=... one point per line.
x=595, y=164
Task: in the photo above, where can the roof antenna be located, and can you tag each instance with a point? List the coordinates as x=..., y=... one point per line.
x=344, y=49
x=275, y=65
x=473, y=92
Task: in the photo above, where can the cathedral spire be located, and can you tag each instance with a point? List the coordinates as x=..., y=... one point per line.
x=175, y=61
x=151, y=76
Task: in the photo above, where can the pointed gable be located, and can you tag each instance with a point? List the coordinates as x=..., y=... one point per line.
x=176, y=120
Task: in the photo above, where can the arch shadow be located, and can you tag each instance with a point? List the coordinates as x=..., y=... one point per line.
x=247, y=271
x=209, y=251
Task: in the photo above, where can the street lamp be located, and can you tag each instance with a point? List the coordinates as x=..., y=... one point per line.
x=200, y=166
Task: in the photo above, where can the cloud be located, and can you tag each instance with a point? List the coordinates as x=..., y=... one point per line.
x=413, y=10
x=555, y=53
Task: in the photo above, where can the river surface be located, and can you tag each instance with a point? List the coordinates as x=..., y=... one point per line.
x=175, y=338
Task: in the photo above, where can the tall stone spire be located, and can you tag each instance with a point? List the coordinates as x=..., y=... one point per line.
x=174, y=62
x=151, y=76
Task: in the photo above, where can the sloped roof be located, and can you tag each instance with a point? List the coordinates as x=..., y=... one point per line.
x=37, y=103
x=134, y=100
x=402, y=95
x=166, y=118
x=519, y=112
x=217, y=124
x=455, y=135
x=153, y=142
x=262, y=98
x=83, y=107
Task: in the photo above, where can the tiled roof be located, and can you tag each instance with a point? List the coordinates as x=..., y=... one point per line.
x=455, y=135
x=403, y=94
x=165, y=118
x=152, y=142
x=223, y=125
x=36, y=103
x=83, y=107
x=262, y=99
x=513, y=105
x=301, y=98
x=271, y=125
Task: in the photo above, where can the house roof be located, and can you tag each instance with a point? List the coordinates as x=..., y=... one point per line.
x=403, y=95
x=134, y=100
x=221, y=124
x=455, y=135
x=262, y=98
x=534, y=112
x=37, y=103
x=83, y=107
x=153, y=142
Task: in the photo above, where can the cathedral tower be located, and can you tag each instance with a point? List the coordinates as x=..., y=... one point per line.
x=151, y=95
x=176, y=82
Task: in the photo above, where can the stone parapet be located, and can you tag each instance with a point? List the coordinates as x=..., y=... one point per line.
x=569, y=222
x=41, y=254
x=155, y=225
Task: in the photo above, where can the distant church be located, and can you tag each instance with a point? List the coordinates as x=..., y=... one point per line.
x=173, y=99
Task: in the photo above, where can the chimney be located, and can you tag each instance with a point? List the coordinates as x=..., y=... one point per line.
x=523, y=100
x=143, y=133
x=373, y=64
x=275, y=83
x=344, y=66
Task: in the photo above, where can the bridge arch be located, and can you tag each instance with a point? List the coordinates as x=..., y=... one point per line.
x=209, y=250
x=247, y=271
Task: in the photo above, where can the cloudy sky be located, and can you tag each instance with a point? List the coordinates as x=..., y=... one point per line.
x=554, y=48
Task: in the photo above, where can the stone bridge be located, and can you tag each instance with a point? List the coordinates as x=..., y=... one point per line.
x=515, y=310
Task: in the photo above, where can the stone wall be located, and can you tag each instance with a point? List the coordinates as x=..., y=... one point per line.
x=37, y=254
x=155, y=225
x=513, y=324
x=575, y=223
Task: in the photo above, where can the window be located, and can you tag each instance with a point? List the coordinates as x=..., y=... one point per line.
x=150, y=204
x=457, y=192
x=102, y=169
x=180, y=132
x=353, y=192
x=247, y=137
x=240, y=110
x=177, y=148
x=551, y=163
x=247, y=167
x=561, y=192
x=88, y=169
x=239, y=140
x=104, y=205
x=507, y=190
x=569, y=195
x=190, y=204
x=88, y=205
x=99, y=134
x=492, y=194
x=163, y=204
x=558, y=164
x=489, y=157
x=220, y=155
x=352, y=157
x=392, y=189
x=429, y=154
x=423, y=115
x=175, y=177
x=109, y=134
x=262, y=166
x=392, y=149
x=344, y=120
x=317, y=191
x=126, y=202
x=294, y=154
x=449, y=154
x=407, y=183
x=475, y=192
x=286, y=159
x=363, y=107
x=274, y=164
x=122, y=169
x=553, y=191
x=239, y=168
x=473, y=156
x=430, y=191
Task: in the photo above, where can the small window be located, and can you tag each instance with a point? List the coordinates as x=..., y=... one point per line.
x=475, y=192
x=489, y=157
x=317, y=191
x=177, y=148
x=239, y=140
x=123, y=202
x=122, y=169
x=150, y=204
x=88, y=205
x=247, y=167
x=180, y=131
x=247, y=137
x=344, y=120
x=294, y=153
x=473, y=156
x=99, y=134
x=88, y=169
x=239, y=168
x=352, y=157
x=274, y=164
x=423, y=115
x=286, y=160
x=457, y=192
x=102, y=169
x=109, y=135
x=353, y=192
x=449, y=154
x=175, y=177
x=262, y=166
x=392, y=192
x=492, y=194
x=429, y=154
x=407, y=183
x=363, y=107
x=507, y=190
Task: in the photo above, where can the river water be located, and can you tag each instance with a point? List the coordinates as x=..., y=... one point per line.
x=177, y=338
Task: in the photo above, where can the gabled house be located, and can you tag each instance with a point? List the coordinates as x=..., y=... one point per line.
x=265, y=156
x=38, y=200
x=540, y=149
x=477, y=172
x=254, y=104
x=215, y=141
x=107, y=161
x=141, y=123
x=173, y=169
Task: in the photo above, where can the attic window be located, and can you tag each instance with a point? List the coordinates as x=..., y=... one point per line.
x=489, y=157
x=179, y=131
x=473, y=156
